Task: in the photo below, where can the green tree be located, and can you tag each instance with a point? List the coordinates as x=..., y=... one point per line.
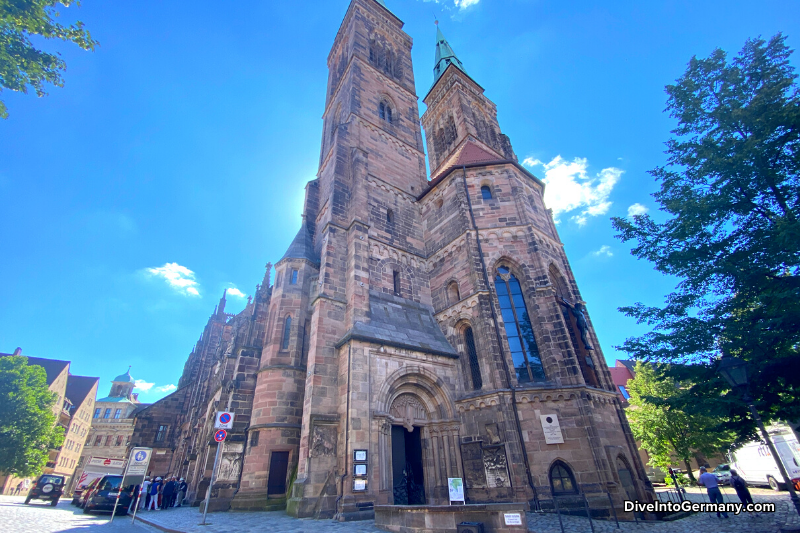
x=666, y=432
x=22, y=65
x=27, y=422
x=730, y=194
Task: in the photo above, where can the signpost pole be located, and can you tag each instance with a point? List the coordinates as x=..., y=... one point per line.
x=119, y=490
x=211, y=484
x=135, y=507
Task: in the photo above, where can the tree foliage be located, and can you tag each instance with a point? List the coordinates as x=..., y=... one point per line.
x=666, y=432
x=731, y=195
x=27, y=422
x=22, y=64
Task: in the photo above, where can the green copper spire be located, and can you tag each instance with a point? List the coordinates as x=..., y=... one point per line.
x=444, y=56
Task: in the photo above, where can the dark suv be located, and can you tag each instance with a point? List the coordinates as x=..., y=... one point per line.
x=104, y=494
x=47, y=487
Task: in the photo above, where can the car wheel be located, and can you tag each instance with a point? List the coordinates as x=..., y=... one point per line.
x=86, y=510
x=54, y=502
x=27, y=500
x=773, y=483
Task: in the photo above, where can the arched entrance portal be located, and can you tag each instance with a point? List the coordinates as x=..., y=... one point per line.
x=408, y=472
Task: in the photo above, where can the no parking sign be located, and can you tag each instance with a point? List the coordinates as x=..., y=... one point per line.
x=220, y=435
x=224, y=420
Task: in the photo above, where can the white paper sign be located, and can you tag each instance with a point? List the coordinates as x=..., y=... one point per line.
x=552, y=429
x=224, y=420
x=456, y=489
x=513, y=519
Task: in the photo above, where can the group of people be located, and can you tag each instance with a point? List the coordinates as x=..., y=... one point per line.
x=161, y=493
x=709, y=481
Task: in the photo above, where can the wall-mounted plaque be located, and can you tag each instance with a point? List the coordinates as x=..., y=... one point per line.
x=359, y=470
x=360, y=456
x=552, y=429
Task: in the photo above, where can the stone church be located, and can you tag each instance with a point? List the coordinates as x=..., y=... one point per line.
x=417, y=329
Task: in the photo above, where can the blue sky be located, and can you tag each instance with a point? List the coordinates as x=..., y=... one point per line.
x=171, y=166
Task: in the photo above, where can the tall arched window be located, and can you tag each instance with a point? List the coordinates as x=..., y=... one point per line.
x=521, y=340
x=561, y=479
x=388, y=114
x=382, y=111
x=472, y=353
x=453, y=295
x=287, y=330
x=486, y=192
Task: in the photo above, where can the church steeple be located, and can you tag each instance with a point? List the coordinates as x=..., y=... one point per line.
x=222, y=301
x=445, y=56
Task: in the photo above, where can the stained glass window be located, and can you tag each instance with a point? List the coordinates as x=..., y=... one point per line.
x=561, y=479
x=521, y=340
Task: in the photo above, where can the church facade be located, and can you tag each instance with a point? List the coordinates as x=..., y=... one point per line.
x=417, y=329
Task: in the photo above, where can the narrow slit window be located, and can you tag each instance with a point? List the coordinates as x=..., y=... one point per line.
x=474, y=366
x=382, y=111
x=486, y=192
x=389, y=216
x=294, y=277
x=388, y=114
x=287, y=330
x=396, y=282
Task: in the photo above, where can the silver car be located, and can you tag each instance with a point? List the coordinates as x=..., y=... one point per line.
x=723, y=473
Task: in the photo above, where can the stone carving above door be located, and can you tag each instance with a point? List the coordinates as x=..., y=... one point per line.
x=408, y=409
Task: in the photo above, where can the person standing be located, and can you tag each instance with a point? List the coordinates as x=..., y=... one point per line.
x=155, y=489
x=168, y=492
x=740, y=486
x=18, y=489
x=145, y=493
x=182, y=488
x=709, y=481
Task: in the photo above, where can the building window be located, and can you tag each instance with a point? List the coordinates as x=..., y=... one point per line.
x=107, y=413
x=624, y=392
x=294, y=277
x=287, y=331
x=486, y=192
x=80, y=461
x=475, y=368
x=389, y=216
x=521, y=340
x=385, y=112
x=109, y=440
x=119, y=440
x=254, y=438
x=396, y=282
x=98, y=440
x=97, y=413
x=561, y=479
x=117, y=413
x=162, y=432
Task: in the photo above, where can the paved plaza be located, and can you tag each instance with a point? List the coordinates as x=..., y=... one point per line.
x=39, y=517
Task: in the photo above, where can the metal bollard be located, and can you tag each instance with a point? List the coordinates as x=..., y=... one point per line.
x=588, y=514
x=613, y=509
x=561, y=522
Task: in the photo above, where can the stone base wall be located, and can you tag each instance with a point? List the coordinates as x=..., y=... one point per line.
x=445, y=518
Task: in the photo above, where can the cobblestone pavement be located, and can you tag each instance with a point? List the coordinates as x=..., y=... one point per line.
x=187, y=519
x=40, y=517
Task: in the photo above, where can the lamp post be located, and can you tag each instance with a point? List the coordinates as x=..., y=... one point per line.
x=734, y=371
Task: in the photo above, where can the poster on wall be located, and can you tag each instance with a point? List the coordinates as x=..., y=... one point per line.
x=552, y=429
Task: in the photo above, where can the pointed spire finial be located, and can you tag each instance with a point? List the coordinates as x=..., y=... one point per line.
x=445, y=56
x=222, y=301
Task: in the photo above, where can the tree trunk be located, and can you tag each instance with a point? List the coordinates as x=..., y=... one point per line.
x=689, y=470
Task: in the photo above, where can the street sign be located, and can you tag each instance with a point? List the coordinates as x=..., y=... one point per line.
x=220, y=435
x=139, y=461
x=224, y=420
x=107, y=463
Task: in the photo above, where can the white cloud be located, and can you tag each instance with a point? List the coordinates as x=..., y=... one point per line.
x=464, y=4
x=637, y=209
x=570, y=188
x=233, y=291
x=604, y=251
x=143, y=386
x=178, y=277
x=166, y=388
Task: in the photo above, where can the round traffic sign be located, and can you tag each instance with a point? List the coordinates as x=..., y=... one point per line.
x=220, y=435
x=140, y=456
x=224, y=418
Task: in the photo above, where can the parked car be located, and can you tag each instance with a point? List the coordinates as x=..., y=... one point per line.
x=723, y=473
x=48, y=487
x=756, y=465
x=87, y=492
x=104, y=494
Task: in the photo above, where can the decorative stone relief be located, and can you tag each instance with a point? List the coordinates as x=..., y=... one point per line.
x=493, y=433
x=494, y=461
x=474, y=471
x=230, y=461
x=323, y=440
x=409, y=409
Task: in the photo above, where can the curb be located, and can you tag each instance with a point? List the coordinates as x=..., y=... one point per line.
x=158, y=526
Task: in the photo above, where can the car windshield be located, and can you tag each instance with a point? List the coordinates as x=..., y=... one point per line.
x=55, y=480
x=723, y=468
x=111, y=483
